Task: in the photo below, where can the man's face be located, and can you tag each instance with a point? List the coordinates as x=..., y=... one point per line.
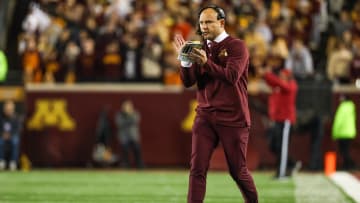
x=9, y=108
x=210, y=26
x=128, y=107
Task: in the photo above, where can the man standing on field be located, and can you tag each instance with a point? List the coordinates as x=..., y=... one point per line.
x=220, y=70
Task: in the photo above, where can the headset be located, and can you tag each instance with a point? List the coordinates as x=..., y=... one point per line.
x=220, y=14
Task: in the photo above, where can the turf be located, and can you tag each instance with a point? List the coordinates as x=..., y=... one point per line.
x=132, y=187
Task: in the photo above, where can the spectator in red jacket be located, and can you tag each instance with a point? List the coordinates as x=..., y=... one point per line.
x=282, y=113
x=282, y=101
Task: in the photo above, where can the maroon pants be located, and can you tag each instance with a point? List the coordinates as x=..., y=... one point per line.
x=206, y=135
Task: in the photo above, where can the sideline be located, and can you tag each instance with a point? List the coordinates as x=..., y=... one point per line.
x=316, y=187
x=348, y=183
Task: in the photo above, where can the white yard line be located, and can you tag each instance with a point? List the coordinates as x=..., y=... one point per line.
x=315, y=188
x=348, y=183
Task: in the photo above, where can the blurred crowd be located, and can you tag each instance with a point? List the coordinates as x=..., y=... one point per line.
x=126, y=40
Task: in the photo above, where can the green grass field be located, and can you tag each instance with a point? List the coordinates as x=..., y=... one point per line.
x=156, y=187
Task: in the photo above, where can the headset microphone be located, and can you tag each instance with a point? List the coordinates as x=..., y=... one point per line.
x=198, y=30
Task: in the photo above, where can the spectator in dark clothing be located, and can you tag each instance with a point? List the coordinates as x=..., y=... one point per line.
x=309, y=121
x=356, y=29
x=86, y=62
x=355, y=65
x=131, y=54
x=110, y=63
x=10, y=126
x=107, y=34
x=91, y=27
x=68, y=61
x=342, y=24
x=103, y=127
x=127, y=121
x=102, y=152
x=61, y=43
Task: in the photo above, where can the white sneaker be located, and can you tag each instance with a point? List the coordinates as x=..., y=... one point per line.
x=2, y=164
x=13, y=166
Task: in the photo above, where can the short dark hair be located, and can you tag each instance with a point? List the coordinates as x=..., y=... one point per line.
x=219, y=11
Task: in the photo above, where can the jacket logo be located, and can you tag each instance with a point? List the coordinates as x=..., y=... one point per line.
x=50, y=113
x=223, y=53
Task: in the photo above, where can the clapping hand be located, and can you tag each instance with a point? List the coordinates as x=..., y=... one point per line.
x=196, y=55
x=178, y=43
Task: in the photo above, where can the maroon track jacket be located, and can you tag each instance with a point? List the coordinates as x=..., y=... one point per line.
x=222, y=82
